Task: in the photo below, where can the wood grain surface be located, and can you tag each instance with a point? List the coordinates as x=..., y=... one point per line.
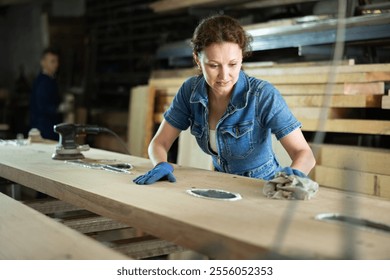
x=254, y=227
x=28, y=234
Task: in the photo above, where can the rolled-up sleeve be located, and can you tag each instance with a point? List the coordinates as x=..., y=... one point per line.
x=274, y=113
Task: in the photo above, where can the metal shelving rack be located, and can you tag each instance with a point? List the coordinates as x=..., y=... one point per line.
x=123, y=39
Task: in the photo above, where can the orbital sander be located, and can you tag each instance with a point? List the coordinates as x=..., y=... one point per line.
x=67, y=148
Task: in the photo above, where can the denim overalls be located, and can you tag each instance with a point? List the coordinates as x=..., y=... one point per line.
x=243, y=134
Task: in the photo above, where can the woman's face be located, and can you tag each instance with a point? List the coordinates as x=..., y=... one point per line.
x=220, y=65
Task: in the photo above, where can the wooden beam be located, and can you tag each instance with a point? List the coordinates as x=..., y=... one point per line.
x=371, y=160
x=354, y=181
x=314, y=113
x=323, y=70
x=139, y=129
x=386, y=102
x=336, y=101
x=249, y=65
x=364, y=88
x=369, y=88
x=26, y=234
x=93, y=224
x=322, y=79
x=378, y=127
x=147, y=248
x=50, y=206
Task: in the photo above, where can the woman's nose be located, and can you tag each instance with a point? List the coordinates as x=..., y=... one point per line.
x=224, y=73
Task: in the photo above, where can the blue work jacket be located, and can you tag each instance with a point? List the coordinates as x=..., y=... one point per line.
x=44, y=102
x=243, y=134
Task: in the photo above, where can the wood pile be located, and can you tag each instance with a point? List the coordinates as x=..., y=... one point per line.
x=356, y=169
x=304, y=87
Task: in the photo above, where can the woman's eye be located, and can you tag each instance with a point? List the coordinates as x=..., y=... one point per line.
x=233, y=64
x=213, y=65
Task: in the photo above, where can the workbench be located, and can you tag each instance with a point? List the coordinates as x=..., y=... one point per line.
x=251, y=228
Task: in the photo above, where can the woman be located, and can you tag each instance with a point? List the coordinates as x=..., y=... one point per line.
x=231, y=115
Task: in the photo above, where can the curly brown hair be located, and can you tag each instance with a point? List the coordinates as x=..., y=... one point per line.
x=219, y=29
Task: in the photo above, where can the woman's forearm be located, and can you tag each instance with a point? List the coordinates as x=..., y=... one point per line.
x=303, y=161
x=157, y=153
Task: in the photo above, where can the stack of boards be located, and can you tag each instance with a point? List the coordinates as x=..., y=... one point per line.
x=319, y=105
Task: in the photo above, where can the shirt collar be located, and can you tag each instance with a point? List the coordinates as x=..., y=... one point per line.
x=239, y=97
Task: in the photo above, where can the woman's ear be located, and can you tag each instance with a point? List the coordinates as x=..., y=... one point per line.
x=196, y=59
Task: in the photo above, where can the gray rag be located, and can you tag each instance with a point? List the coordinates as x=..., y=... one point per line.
x=285, y=186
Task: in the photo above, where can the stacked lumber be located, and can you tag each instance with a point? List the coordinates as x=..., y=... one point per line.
x=356, y=169
x=356, y=86
x=304, y=87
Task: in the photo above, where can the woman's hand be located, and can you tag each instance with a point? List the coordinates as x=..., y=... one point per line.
x=162, y=171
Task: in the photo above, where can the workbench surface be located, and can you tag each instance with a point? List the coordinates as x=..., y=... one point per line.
x=253, y=227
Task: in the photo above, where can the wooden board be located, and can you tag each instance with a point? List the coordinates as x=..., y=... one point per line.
x=28, y=234
x=219, y=229
x=364, y=88
x=335, y=101
x=315, y=113
x=322, y=79
x=371, y=160
x=307, y=70
x=378, y=127
x=386, y=102
x=140, y=122
x=355, y=181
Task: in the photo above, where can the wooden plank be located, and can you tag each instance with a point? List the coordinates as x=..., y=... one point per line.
x=148, y=248
x=93, y=224
x=356, y=181
x=141, y=99
x=248, y=65
x=378, y=127
x=50, y=206
x=318, y=79
x=364, y=88
x=386, y=102
x=335, y=101
x=315, y=113
x=218, y=229
x=309, y=89
x=28, y=234
x=323, y=70
x=371, y=160
x=4, y=126
x=163, y=83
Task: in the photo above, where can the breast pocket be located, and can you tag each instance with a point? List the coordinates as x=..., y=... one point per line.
x=238, y=139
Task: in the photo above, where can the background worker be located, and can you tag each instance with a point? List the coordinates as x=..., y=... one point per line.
x=45, y=98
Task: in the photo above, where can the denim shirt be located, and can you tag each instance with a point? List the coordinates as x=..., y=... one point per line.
x=243, y=134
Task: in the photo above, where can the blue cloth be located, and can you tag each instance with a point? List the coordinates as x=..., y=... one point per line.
x=243, y=134
x=44, y=102
x=161, y=171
